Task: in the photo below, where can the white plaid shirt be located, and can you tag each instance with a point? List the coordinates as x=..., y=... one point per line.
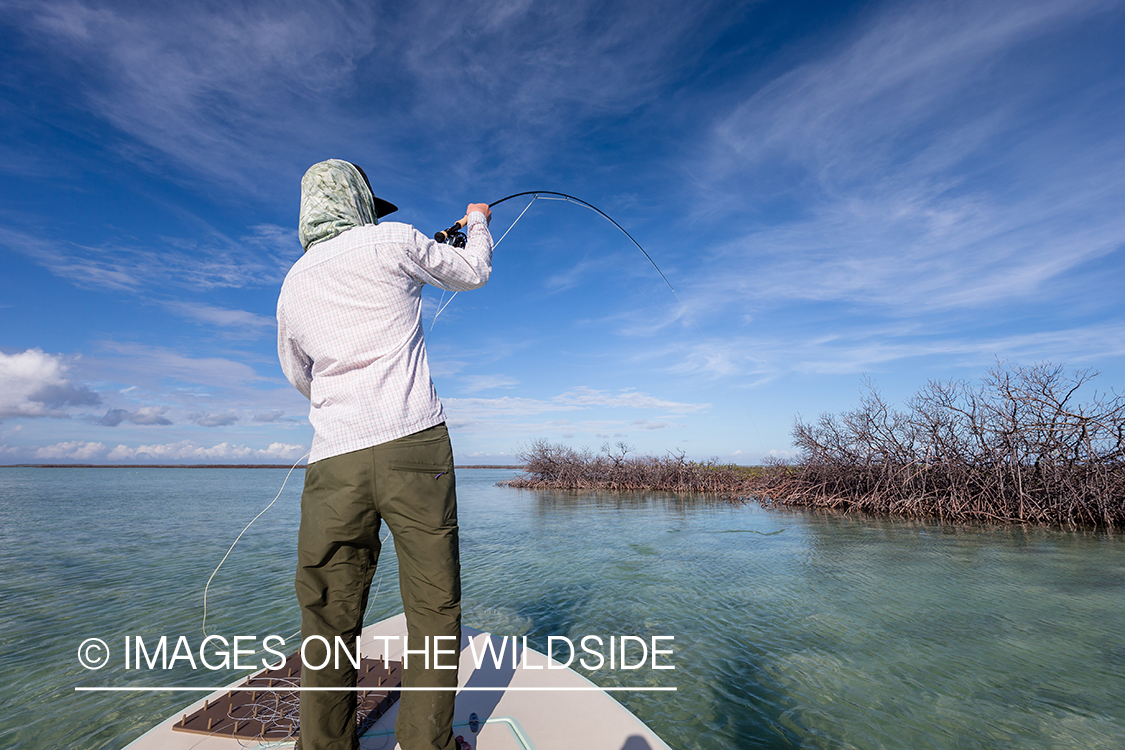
x=349, y=329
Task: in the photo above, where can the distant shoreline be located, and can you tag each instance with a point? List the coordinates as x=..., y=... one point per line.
x=205, y=466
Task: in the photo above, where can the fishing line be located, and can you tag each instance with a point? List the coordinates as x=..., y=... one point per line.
x=551, y=195
x=494, y=246
x=535, y=195
x=255, y=518
x=252, y=520
x=556, y=196
x=524, y=211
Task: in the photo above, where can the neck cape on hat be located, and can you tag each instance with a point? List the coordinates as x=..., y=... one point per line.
x=335, y=197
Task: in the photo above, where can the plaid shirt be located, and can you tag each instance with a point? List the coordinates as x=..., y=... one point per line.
x=349, y=329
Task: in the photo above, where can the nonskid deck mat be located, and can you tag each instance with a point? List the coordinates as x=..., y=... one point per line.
x=258, y=710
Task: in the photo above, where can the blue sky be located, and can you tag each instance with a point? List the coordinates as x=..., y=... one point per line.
x=896, y=192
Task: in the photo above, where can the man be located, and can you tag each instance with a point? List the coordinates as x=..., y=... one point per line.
x=349, y=336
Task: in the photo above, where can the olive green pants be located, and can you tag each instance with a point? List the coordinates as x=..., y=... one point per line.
x=408, y=483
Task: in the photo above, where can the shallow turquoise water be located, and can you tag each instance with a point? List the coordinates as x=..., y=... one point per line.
x=791, y=629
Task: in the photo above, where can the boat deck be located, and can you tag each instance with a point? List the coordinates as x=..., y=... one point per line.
x=518, y=708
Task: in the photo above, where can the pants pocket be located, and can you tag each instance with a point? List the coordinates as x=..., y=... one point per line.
x=419, y=468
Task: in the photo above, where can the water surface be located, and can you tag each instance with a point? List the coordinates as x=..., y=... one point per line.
x=791, y=629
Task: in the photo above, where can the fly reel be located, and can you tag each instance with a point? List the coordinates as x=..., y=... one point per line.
x=456, y=238
x=453, y=236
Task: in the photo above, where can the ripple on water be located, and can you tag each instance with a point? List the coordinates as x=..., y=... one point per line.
x=791, y=629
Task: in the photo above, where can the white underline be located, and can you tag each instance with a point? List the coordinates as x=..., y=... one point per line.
x=247, y=689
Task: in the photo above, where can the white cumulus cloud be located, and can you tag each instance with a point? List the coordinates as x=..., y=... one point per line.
x=36, y=384
x=79, y=450
x=188, y=450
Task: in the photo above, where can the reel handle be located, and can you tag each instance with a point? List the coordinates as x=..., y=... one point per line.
x=444, y=235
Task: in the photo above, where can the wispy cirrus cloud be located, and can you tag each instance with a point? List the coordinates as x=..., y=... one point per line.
x=202, y=85
x=133, y=363
x=222, y=263
x=85, y=266
x=645, y=424
x=508, y=415
x=906, y=64
x=893, y=187
x=760, y=357
x=205, y=85
x=572, y=400
x=252, y=324
x=477, y=383
x=932, y=161
x=628, y=398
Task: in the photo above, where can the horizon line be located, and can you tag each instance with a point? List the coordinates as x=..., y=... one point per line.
x=214, y=466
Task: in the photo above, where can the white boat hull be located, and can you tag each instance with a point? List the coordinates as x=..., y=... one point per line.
x=518, y=709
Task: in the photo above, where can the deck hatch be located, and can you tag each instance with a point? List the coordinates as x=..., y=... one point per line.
x=256, y=709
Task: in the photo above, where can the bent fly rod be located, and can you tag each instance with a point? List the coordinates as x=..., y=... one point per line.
x=454, y=236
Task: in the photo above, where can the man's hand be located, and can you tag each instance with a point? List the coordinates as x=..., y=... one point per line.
x=482, y=207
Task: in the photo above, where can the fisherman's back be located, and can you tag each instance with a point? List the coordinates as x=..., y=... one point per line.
x=350, y=331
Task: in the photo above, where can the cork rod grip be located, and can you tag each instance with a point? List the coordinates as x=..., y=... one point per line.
x=443, y=235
